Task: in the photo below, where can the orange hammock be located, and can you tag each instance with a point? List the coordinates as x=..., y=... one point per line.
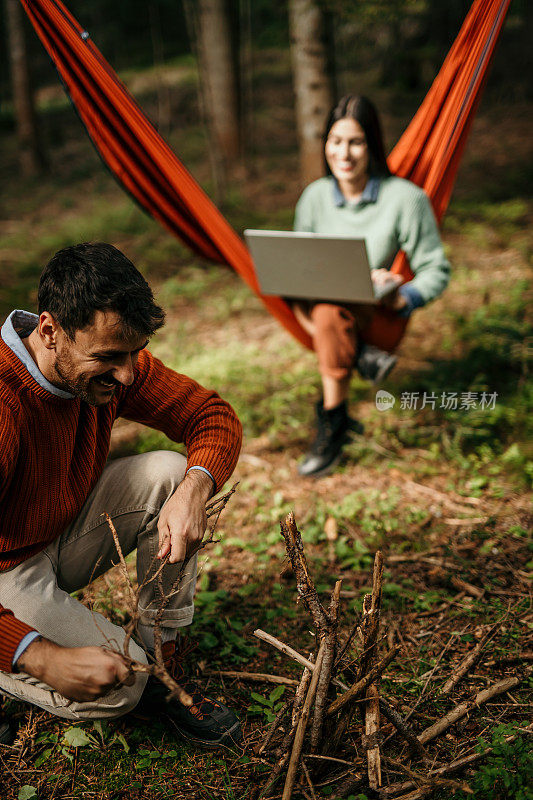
x=428, y=153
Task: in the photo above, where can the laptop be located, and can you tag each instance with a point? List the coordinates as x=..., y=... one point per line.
x=315, y=267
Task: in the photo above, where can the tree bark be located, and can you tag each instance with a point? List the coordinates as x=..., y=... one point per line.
x=219, y=75
x=29, y=152
x=313, y=84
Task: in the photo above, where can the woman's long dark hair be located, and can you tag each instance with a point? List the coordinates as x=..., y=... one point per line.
x=362, y=110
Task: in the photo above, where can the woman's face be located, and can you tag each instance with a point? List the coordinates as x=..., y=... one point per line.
x=347, y=152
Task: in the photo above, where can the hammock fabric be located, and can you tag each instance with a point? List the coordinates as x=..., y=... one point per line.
x=428, y=153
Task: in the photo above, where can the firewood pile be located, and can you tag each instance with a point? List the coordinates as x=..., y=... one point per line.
x=337, y=729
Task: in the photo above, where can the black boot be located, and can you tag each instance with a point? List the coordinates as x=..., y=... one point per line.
x=374, y=364
x=207, y=722
x=333, y=426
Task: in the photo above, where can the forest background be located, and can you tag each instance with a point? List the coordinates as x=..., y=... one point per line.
x=443, y=492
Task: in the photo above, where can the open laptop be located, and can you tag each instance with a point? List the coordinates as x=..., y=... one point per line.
x=314, y=266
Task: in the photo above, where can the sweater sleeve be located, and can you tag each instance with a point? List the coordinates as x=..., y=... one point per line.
x=419, y=238
x=303, y=213
x=185, y=412
x=12, y=630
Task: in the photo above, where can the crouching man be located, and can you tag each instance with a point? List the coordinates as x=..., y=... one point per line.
x=65, y=376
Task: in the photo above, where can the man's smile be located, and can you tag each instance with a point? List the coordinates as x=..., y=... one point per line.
x=109, y=384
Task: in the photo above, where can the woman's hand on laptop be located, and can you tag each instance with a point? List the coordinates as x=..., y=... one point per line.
x=394, y=300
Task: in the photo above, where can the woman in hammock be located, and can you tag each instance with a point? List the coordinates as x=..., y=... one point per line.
x=359, y=197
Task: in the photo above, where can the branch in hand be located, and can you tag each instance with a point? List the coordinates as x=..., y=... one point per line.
x=157, y=668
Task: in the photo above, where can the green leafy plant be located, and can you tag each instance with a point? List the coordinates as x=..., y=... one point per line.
x=217, y=627
x=507, y=772
x=109, y=735
x=147, y=758
x=268, y=706
x=50, y=740
x=27, y=793
x=73, y=738
x=352, y=554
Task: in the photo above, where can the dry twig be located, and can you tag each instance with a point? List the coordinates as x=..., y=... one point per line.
x=254, y=677
x=467, y=588
x=302, y=725
x=462, y=709
x=370, y=629
x=157, y=667
x=395, y=789
x=330, y=644
x=289, y=651
x=471, y=659
x=430, y=781
x=284, y=648
x=392, y=715
x=283, y=750
x=361, y=685
x=304, y=584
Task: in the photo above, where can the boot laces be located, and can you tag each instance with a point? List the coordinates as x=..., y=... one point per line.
x=173, y=655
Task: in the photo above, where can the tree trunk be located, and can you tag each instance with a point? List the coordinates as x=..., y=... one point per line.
x=164, y=110
x=313, y=83
x=219, y=75
x=29, y=152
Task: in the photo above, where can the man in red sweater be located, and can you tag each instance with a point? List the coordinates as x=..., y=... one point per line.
x=66, y=374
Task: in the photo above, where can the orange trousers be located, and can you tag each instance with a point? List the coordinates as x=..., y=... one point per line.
x=339, y=327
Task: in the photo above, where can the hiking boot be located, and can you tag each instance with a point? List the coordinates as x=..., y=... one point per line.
x=333, y=428
x=207, y=722
x=374, y=364
x=6, y=732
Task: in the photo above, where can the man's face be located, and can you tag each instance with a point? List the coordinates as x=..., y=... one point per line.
x=98, y=360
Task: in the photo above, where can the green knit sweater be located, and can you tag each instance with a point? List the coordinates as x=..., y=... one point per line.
x=392, y=214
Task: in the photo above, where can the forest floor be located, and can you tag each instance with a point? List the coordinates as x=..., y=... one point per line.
x=442, y=492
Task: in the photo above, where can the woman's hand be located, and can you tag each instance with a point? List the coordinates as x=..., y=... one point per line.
x=303, y=318
x=393, y=300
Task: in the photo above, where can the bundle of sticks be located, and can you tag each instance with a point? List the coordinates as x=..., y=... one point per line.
x=156, y=666
x=314, y=721
x=324, y=737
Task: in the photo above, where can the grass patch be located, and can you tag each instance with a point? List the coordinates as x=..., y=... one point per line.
x=487, y=427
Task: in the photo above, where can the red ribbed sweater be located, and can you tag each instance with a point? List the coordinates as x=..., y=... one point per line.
x=53, y=450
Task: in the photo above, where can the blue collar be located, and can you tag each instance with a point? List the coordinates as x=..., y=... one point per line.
x=369, y=195
x=23, y=322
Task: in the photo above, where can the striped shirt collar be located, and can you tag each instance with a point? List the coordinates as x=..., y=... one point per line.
x=369, y=195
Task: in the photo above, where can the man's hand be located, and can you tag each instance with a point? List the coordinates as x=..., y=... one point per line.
x=182, y=521
x=79, y=673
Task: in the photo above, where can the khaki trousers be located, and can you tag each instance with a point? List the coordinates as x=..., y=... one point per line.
x=132, y=491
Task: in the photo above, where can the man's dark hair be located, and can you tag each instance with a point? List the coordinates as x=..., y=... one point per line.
x=90, y=277
x=363, y=111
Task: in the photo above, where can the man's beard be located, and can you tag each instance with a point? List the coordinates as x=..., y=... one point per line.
x=82, y=385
